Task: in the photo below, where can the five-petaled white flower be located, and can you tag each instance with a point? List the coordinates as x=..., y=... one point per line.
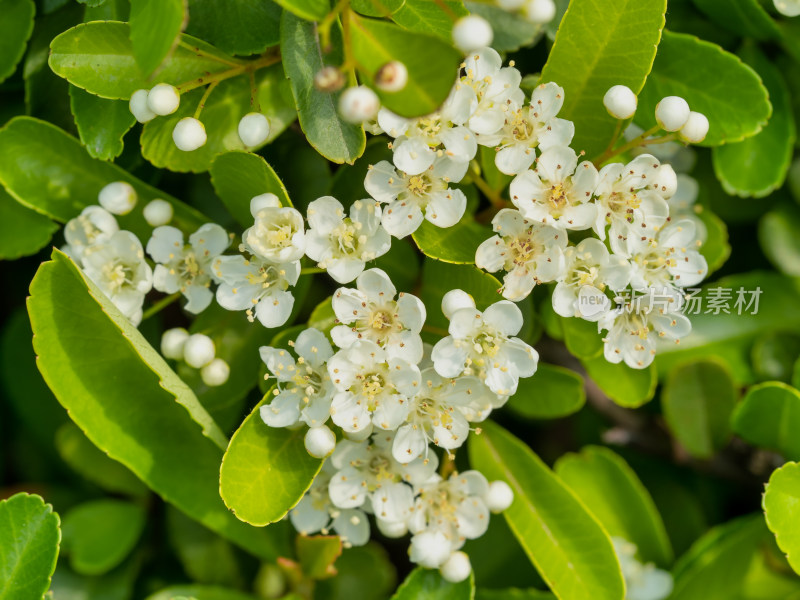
x=496, y=89
x=371, y=312
x=93, y=226
x=187, y=267
x=277, y=234
x=642, y=581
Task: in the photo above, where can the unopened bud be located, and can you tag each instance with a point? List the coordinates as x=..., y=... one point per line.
x=329, y=79
x=392, y=77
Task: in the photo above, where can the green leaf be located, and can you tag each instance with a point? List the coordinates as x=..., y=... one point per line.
x=595, y=38
x=759, y=164
x=311, y=10
x=365, y=572
x=99, y=535
x=456, y=244
x=428, y=584
x=49, y=171
x=165, y=437
x=376, y=8
x=774, y=356
x=698, y=400
x=199, y=592
x=713, y=82
x=565, y=543
x=335, y=139
x=101, y=123
x=625, y=386
x=22, y=231
x=716, y=248
x=745, y=17
x=432, y=64
x=513, y=594
x=511, y=31
x=16, y=27
x=551, y=393
x=323, y=317
x=581, y=337
x=401, y=264
x=238, y=177
x=768, y=417
x=605, y=484
x=777, y=235
x=265, y=470
x=317, y=555
x=29, y=538
x=236, y=26
x=156, y=26
x=430, y=17
x=223, y=110
x=782, y=510
x=98, y=57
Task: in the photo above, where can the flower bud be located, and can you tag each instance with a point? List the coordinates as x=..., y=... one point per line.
x=540, y=11
x=140, y=108
x=262, y=201
x=173, y=342
x=472, y=32
x=320, y=441
x=329, y=79
x=158, y=212
x=788, y=8
x=500, y=496
x=118, y=198
x=672, y=113
x=695, y=129
x=215, y=373
x=198, y=351
x=392, y=529
x=163, y=99
x=253, y=129
x=620, y=102
x=358, y=104
x=457, y=568
x=392, y=77
x=189, y=134
x=665, y=181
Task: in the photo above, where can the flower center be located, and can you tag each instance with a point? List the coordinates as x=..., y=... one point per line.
x=347, y=236
x=280, y=236
x=118, y=275
x=418, y=185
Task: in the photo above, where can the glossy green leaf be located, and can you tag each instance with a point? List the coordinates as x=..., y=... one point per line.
x=236, y=26
x=565, y=543
x=456, y=244
x=98, y=57
x=376, y=8
x=511, y=31
x=428, y=584
x=99, y=535
x=101, y=123
x=29, y=538
x=782, y=509
x=595, y=38
x=22, y=231
x=625, y=386
x=552, y=392
x=317, y=555
x=49, y=171
x=323, y=317
x=716, y=248
x=238, y=177
x=16, y=27
x=364, y=572
x=335, y=139
x=156, y=26
x=430, y=17
x=199, y=592
x=777, y=235
x=745, y=17
x=311, y=10
x=513, y=594
x=166, y=438
x=613, y=493
x=581, y=337
x=713, y=82
x=223, y=110
x=768, y=417
x=432, y=64
x=774, y=356
x=759, y=164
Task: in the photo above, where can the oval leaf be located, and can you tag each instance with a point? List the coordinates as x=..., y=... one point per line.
x=430, y=17
x=155, y=28
x=627, y=387
x=769, y=417
x=456, y=244
x=16, y=27
x=551, y=393
x=101, y=123
x=782, y=509
x=22, y=231
x=236, y=26
x=427, y=584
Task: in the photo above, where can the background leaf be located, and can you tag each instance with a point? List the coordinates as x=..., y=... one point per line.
x=312, y=10
x=22, y=230
x=456, y=244
x=781, y=501
x=236, y=26
x=101, y=123
x=625, y=386
x=155, y=28
x=767, y=417
x=745, y=17
x=552, y=392
x=16, y=27
x=427, y=584
x=777, y=235
x=430, y=17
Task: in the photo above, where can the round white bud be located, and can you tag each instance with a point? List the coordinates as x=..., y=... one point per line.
x=320, y=441
x=392, y=529
x=695, y=129
x=500, y=496
x=471, y=33
x=140, y=108
x=158, y=212
x=198, y=351
x=788, y=8
x=164, y=99
x=392, y=77
x=118, y=198
x=672, y=113
x=329, y=79
x=189, y=134
x=173, y=342
x=665, y=181
x=620, y=102
x=457, y=568
x=358, y=104
x=215, y=373
x=253, y=129
x=540, y=11
x=511, y=5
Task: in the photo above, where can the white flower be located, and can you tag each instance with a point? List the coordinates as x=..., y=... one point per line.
x=588, y=268
x=558, y=191
x=256, y=285
x=94, y=225
x=408, y=197
x=341, y=244
x=371, y=387
x=527, y=127
x=303, y=390
x=529, y=252
x=642, y=581
x=118, y=267
x=187, y=267
x=496, y=89
x=480, y=344
x=278, y=232
x=372, y=313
